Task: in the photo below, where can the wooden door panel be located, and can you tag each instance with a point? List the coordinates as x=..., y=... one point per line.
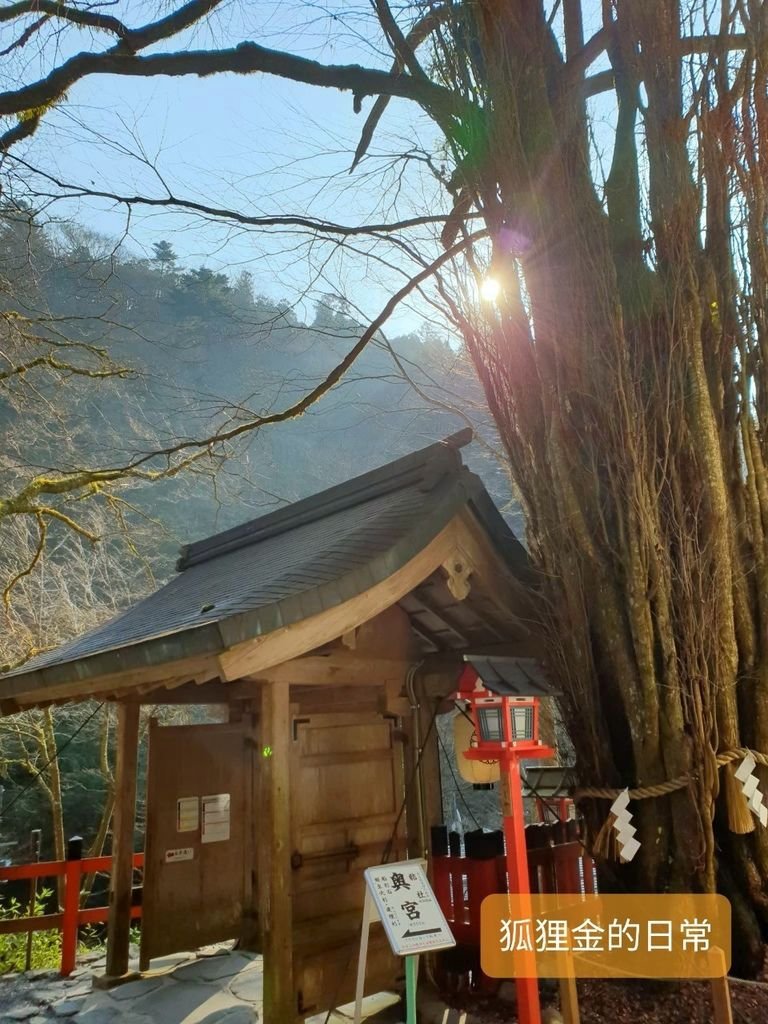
x=192, y=902
x=353, y=791
x=347, y=790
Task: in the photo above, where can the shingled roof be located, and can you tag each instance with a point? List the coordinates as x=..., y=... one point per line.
x=285, y=566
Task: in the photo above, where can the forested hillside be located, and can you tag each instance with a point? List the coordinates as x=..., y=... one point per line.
x=187, y=346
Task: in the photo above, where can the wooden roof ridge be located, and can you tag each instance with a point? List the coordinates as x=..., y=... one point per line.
x=424, y=468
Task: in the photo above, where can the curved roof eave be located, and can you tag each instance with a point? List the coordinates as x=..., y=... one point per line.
x=214, y=638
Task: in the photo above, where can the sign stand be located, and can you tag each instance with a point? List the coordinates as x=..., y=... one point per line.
x=370, y=914
x=411, y=980
x=400, y=896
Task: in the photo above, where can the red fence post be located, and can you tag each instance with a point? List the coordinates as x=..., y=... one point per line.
x=567, y=868
x=441, y=878
x=72, y=874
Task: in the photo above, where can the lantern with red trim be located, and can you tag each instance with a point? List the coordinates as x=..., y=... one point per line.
x=506, y=721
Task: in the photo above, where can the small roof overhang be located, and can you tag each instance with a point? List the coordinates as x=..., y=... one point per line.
x=512, y=676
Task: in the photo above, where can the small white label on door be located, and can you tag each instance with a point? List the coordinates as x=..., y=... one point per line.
x=215, y=818
x=183, y=853
x=188, y=814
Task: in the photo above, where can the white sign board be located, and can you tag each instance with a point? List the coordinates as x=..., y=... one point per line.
x=188, y=814
x=215, y=818
x=407, y=907
x=183, y=853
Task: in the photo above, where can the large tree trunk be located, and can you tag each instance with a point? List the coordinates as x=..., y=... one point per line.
x=626, y=380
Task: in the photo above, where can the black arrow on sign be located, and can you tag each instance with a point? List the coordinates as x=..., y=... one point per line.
x=425, y=931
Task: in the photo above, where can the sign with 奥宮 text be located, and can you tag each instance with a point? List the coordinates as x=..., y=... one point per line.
x=407, y=908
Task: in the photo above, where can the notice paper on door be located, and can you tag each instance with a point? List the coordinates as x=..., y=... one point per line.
x=187, y=814
x=215, y=818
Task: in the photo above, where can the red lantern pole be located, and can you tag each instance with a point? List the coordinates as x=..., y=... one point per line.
x=528, y=1006
x=518, y=878
x=509, y=753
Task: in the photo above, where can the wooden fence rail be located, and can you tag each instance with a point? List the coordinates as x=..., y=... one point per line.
x=71, y=917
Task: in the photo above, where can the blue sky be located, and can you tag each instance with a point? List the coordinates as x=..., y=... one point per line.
x=256, y=143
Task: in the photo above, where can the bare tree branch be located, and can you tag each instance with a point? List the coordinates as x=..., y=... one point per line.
x=247, y=58
x=76, y=15
x=313, y=224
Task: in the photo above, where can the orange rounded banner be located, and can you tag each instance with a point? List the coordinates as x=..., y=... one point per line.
x=682, y=935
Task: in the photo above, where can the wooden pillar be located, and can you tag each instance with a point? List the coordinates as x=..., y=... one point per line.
x=123, y=822
x=721, y=993
x=569, y=1001
x=250, y=935
x=274, y=861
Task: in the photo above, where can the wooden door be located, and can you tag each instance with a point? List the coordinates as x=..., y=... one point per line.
x=196, y=875
x=346, y=794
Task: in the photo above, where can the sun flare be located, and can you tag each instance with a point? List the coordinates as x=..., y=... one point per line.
x=490, y=289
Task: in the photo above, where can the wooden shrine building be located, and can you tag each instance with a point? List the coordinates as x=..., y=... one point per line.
x=330, y=629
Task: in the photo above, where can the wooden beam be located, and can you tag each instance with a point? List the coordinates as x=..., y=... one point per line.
x=253, y=656
x=188, y=693
x=343, y=668
x=441, y=613
x=721, y=993
x=274, y=854
x=458, y=570
x=121, y=684
x=388, y=636
x=509, y=595
x=123, y=823
x=443, y=665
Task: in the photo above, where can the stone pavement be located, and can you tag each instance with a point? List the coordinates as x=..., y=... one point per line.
x=215, y=986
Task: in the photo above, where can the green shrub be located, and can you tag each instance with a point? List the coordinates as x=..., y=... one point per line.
x=46, y=946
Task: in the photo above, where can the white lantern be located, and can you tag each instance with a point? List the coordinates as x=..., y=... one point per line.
x=479, y=773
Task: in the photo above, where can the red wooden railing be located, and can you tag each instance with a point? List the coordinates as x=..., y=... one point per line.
x=71, y=917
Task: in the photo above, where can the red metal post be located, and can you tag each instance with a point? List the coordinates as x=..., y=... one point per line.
x=528, y=1006
x=72, y=873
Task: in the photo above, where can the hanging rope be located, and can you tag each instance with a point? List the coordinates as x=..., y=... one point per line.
x=663, y=788
x=643, y=793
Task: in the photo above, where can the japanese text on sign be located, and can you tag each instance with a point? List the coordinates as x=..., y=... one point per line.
x=407, y=908
x=681, y=935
